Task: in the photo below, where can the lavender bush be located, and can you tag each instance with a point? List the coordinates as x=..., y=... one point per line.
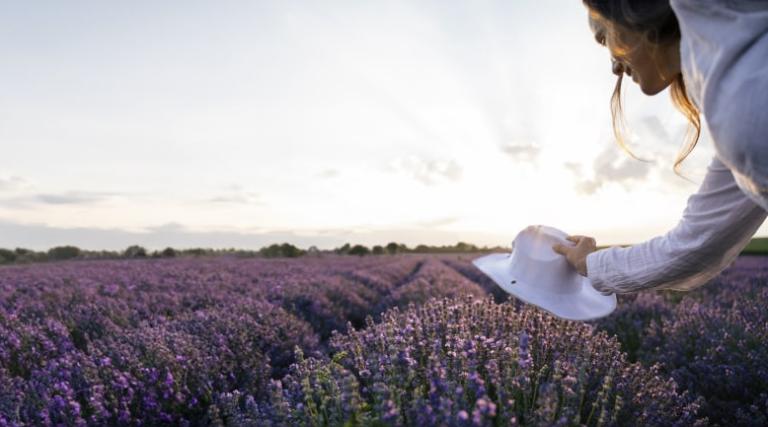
x=166, y=372
x=463, y=265
x=715, y=344
x=432, y=280
x=468, y=362
x=713, y=341
x=120, y=343
x=720, y=354
x=212, y=341
x=637, y=316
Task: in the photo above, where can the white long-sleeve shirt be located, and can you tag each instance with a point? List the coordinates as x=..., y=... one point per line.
x=718, y=222
x=724, y=61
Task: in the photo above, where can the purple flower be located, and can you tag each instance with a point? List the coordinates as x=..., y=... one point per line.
x=398, y=339
x=168, y=379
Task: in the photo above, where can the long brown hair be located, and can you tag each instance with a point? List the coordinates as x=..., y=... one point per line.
x=658, y=23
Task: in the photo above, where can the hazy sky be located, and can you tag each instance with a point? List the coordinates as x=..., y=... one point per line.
x=242, y=123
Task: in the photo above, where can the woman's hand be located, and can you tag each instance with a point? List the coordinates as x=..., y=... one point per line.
x=577, y=255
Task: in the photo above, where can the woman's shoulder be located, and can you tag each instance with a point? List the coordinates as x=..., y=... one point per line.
x=719, y=38
x=715, y=32
x=746, y=6
x=735, y=97
x=724, y=59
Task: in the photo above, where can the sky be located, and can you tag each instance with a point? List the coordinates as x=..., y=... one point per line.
x=246, y=123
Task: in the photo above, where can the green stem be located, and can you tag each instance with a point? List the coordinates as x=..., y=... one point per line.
x=582, y=392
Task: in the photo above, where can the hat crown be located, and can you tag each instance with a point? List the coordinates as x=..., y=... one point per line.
x=535, y=274
x=533, y=261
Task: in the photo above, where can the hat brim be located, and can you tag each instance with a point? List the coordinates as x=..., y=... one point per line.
x=585, y=304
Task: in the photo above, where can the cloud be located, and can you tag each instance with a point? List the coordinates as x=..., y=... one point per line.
x=608, y=168
x=23, y=195
x=42, y=236
x=235, y=194
x=666, y=141
x=169, y=227
x=575, y=168
x=613, y=165
x=328, y=173
x=654, y=126
x=521, y=152
x=437, y=222
x=29, y=201
x=12, y=183
x=236, y=199
x=428, y=171
x=71, y=198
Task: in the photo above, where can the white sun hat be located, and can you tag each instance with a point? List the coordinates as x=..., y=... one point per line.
x=534, y=273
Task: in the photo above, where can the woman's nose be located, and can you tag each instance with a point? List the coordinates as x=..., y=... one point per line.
x=617, y=67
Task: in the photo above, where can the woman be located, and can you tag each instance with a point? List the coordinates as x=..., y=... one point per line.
x=713, y=55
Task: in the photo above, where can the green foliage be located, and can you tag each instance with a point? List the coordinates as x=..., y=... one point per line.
x=135, y=251
x=22, y=255
x=466, y=247
x=28, y=255
x=168, y=253
x=63, y=252
x=283, y=250
x=22, y=251
x=393, y=248
x=7, y=256
x=757, y=246
x=196, y=251
x=359, y=250
x=343, y=250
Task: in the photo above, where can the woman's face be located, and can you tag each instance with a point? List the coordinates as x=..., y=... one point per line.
x=652, y=66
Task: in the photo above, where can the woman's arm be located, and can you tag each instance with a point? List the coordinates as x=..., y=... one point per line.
x=718, y=222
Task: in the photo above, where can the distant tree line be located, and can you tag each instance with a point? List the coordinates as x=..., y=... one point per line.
x=61, y=253
x=757, y=246
x=399, y=248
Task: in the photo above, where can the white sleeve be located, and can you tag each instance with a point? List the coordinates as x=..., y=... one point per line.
x=718, y=222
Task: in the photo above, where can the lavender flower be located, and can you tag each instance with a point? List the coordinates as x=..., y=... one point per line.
x=214, y=341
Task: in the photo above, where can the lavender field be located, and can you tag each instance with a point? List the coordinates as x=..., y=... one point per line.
x=377, y=340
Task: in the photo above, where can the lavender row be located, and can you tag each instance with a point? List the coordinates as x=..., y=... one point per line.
x=713, y=341
x=462, y=362
x=151, y=341
x=181, y=341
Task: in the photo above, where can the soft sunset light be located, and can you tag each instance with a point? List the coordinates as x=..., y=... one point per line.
x=244, y=123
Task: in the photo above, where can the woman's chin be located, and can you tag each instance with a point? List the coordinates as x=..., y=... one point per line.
x=650, y=90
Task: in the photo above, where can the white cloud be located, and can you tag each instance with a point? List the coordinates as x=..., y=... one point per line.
x=40, y=236
x=437, y=222
x=522, y=152
x=72, y=198
x=328, y=173
x=12, y=183
x=612, y=165
x=241, y=198
x=428, y=171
